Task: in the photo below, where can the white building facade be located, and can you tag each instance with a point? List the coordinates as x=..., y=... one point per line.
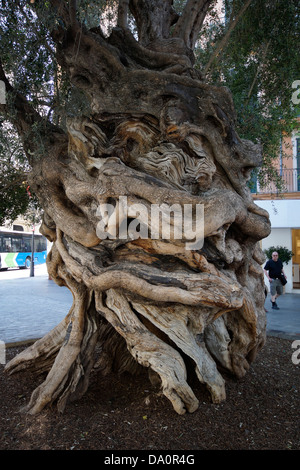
x=285, y=223
x=284, y=210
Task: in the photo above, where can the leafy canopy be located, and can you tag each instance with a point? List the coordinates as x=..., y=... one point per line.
x=258, y=61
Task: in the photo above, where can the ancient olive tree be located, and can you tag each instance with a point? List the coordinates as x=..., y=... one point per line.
x=155, y=136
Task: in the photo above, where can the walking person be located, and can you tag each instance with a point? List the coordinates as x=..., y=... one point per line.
x=273, y=270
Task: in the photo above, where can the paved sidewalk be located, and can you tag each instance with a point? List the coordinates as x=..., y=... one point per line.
x=284, y=322
x=31, y=306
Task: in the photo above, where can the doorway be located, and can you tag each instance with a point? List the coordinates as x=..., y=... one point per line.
x=296, y=257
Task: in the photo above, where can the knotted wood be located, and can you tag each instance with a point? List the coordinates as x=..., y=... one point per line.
x=155, y=134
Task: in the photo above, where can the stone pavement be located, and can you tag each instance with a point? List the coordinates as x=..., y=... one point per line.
x=284, y=322
x=32, y=306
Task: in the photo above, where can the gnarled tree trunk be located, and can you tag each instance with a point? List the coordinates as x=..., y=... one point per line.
x=156, y=134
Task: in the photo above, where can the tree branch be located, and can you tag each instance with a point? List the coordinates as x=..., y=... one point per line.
x=123, y=14
x=66, y=12
x=25, y=118
x=153, y=19
x=18, y=180
x=48, y=47
x=265, y=48
x=61, y=9
x=24, y=115
x=198, y=24
x=225, y=39
x=191, y=20
x=73, y=12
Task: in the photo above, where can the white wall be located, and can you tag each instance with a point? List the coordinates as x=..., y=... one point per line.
x=281, y=237
x=284, y=213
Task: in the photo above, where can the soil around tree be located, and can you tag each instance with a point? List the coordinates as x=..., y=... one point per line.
x=120, y=413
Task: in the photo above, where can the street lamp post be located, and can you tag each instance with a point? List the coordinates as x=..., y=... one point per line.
x=32, y=254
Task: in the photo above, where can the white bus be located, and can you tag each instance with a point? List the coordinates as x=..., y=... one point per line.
x=16, y=249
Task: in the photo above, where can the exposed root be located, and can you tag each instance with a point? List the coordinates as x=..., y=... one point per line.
x=149, y=351
x=156, y=293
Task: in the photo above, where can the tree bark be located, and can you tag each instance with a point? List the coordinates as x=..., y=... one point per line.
x=156, y=134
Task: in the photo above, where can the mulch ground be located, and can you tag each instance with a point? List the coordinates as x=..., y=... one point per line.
x=128, y=413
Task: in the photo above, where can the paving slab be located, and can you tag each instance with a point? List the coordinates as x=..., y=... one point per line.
x=284, y=322
x=31, y=306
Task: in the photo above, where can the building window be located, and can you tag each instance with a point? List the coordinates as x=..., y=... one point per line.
x=252, y=183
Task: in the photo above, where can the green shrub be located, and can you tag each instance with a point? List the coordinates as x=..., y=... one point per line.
x=284, y=254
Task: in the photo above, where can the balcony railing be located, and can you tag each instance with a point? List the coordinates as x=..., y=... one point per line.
x=290, y=178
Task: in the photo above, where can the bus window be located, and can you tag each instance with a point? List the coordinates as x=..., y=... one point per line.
x=20, y=228
x=7, y=244
x=16, y=244
x=44, y=244
x=40, y=244
x=27, y=244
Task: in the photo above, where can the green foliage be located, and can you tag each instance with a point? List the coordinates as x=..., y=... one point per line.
x=258, y=63
x=14, y=195
x=284, y=254
x=28, y=56
x=26, y=50
x=13, y=202
x=95, y=12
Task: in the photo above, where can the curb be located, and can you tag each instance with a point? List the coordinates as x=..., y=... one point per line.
x=283, y=335
x=274, y=333
x=21, y=343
